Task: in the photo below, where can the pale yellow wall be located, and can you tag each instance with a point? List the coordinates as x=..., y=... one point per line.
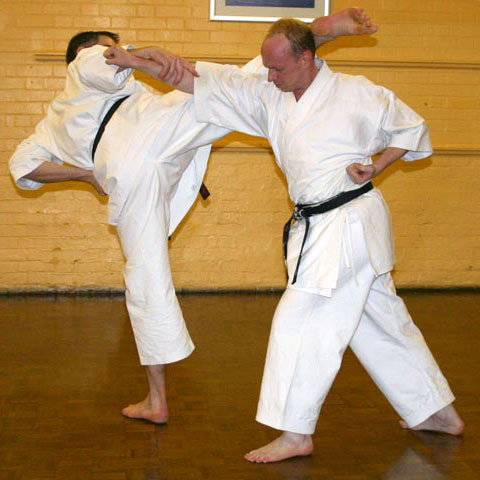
x=428, y=52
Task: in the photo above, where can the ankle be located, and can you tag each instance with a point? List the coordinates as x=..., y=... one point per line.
x=296, y=437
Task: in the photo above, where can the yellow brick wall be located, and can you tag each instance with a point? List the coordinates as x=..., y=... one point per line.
x=427, y=52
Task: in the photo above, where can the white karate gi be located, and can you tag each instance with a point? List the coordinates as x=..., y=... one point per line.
x=343, y=294
x=148, y=163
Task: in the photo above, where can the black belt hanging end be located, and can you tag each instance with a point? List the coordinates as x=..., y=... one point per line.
x=204, y=192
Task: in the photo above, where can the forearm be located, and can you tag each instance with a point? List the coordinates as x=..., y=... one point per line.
x=156, y=62
x=145, y=52
x=166, y=67
x=172, y=75
x=49, y=172
x=146, y=65
x=361, y=173
x=389, y=156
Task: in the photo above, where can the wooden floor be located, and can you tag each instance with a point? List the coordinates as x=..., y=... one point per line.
x=68, y=366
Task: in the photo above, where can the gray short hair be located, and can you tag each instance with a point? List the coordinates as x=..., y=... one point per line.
x=298, y=34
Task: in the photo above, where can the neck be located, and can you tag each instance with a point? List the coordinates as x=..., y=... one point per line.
x=310, y=75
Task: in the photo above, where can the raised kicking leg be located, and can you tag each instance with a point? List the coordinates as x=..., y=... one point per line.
x=350, y=21
x=446, y=420
x=154, y=407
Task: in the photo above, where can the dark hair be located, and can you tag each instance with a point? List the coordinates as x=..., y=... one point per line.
x=86, y=39
x=298, y=34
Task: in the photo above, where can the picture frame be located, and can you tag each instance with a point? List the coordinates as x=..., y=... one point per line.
x=267, y=10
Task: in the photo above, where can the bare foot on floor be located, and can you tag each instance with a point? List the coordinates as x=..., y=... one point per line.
x=145, y=411
x=287, y=445
x=350, y=21
x=445, y=420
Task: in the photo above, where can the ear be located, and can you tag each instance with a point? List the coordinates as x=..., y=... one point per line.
x=306, y=57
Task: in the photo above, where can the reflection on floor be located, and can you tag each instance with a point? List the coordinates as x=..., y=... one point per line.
x=68, y=366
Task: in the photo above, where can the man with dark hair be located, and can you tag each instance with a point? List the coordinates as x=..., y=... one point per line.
x=141, y=149
x=148, y=163
x=324, y=128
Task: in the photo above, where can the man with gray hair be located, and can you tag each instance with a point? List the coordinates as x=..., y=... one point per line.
x=324, y=128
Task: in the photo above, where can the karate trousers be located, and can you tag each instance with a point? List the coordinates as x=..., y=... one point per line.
x=157, y=321
x=311, y=332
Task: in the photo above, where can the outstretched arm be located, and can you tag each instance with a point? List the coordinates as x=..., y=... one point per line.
x=360, y=173
x=49, y=172
x=156, y=62
x=350, y=21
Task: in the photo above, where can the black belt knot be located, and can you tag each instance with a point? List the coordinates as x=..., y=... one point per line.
x=299, y=212
x=305, y=211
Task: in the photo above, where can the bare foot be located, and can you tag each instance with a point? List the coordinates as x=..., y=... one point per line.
x=350, y=21
x=285, y=446
x=445, y=420
x=147, y=411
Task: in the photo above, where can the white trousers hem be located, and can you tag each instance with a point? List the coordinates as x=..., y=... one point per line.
x=287, y=425
x=421, y=415
x=171, y=357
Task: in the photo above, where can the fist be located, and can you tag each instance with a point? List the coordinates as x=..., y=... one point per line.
x=360, y=173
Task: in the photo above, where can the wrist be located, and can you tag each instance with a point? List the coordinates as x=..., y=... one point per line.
x=143, y=52
x=81, y=175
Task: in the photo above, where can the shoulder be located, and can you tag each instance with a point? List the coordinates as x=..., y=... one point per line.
x=359, y=88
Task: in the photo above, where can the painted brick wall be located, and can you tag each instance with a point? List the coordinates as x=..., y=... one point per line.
x=427, y=52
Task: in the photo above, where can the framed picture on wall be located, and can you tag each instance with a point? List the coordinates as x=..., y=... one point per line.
x=267, y=10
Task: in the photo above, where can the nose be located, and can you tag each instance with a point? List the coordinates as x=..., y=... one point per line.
x=271, y=76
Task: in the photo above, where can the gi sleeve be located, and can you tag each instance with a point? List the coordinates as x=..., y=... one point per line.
x=403, y=128
x=27, y=157
x=230, y=98
x=94, y=73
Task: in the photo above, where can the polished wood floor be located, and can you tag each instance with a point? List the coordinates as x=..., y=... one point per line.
x=68, y=366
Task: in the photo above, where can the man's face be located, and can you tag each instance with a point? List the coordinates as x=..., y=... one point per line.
x=284, y=67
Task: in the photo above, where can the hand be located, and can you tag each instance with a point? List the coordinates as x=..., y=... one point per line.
x=118, y=56
x=173, y=68
x=93, y=182
x=360, y=173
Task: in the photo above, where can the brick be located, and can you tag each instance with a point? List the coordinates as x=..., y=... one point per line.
x=117, y=10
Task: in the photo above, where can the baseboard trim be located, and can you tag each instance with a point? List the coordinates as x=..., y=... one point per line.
x=116, y=292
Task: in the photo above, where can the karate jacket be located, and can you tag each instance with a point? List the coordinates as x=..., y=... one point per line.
x=146, y=128
x=339, y=120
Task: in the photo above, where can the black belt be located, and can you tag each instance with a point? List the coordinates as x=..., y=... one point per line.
x=203, y=189
x=105, y=120
x=308, y=210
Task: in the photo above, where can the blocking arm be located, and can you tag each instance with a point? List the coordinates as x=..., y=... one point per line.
x=49, y=172
x=360, y=173
x=156, y=62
